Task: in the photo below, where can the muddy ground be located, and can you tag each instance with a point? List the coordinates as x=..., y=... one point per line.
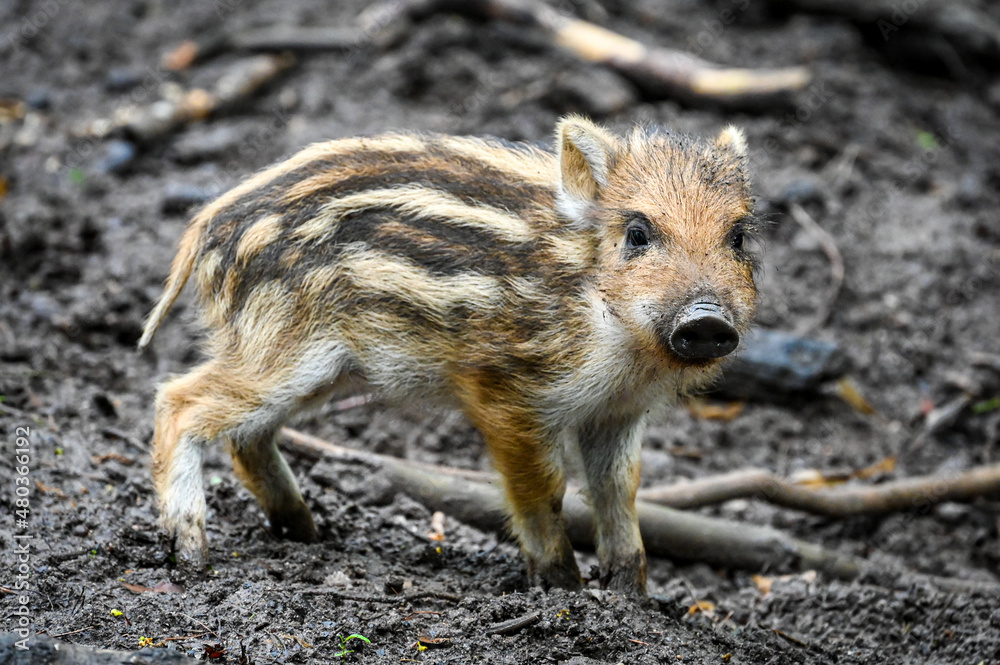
x=900, y=165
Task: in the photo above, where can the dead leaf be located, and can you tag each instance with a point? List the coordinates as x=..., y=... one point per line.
x=437, y=527
x=11, y=110
x=705, y=410
x=161, y=587
x=167, y=587
x=301, y=642
x=887, y=465
x=48, y=489
x=705, y=607
x=4, y=187
x=848, y=391
x=817, y=479
x=136, y=588
x=763, y=584
x=181, y=57
x=434, y=642
x=215, y=651
x=117, y=457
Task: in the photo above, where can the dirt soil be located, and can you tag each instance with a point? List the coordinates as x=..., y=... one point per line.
x=901, y=167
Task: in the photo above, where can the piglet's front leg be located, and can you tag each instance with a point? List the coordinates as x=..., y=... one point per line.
x=610, y=450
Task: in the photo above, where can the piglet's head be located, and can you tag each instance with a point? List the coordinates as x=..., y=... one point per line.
x=673, y=217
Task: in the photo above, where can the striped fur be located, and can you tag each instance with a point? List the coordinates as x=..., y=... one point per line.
x=498, y=278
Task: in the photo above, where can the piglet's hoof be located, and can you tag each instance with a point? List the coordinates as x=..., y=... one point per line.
x=295, y=524
x=560, y=574
x=626, y=576
x=190, y=555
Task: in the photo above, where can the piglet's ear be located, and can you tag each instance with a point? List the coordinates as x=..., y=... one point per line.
x=732, y=140
x=586, y=153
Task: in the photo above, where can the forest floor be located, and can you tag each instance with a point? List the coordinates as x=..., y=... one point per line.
x=901, y=168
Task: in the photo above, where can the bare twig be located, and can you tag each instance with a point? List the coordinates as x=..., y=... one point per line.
x=833, y=255
x=202, y=624
x=72, y=632
x=899, y=495
x=147, y=124
x=514, y=625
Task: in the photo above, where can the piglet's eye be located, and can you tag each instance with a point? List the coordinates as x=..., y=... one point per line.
x=738, y=240
x=636, y=236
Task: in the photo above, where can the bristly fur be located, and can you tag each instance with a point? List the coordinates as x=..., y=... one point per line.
x=491, y=276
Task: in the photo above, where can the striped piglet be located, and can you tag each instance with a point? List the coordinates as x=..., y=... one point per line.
x=554, y=297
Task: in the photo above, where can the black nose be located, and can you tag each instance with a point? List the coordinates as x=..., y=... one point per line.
x=703, y=332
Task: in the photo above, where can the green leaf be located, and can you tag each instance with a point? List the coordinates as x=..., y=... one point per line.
x=358, y=637
x=927, y=141
x=986, y=406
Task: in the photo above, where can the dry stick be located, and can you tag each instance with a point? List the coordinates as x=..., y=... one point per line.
x=239, y=83
x=72, y=632
x=833, y=255
x=666, y=532
x=899, y=495
x=661, y=72
x=514, y=625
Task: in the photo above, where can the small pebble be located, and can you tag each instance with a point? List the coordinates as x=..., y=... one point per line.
x=200, y=145
x=179, y=197
x=951, y=512
x=118, y=157
x=39, y=99
x=121, y=79
x=801, y=191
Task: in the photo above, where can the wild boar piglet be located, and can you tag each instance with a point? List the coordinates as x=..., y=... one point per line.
x=554, y=297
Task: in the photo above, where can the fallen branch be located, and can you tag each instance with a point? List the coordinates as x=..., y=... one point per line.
x=242, y=81
x=666, y=532
x=917, y=493
x=660, y=71
x=272, y=38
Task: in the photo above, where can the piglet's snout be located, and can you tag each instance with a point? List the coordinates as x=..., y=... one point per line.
x=702, y=331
